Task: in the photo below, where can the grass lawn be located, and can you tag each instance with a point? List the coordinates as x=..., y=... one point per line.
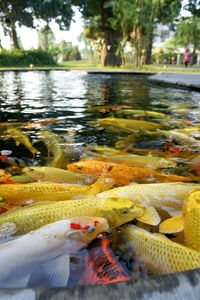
x=96, y=65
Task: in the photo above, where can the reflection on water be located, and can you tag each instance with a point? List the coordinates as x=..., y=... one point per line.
x=41, y=96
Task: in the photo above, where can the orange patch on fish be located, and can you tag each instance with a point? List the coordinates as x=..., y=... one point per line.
x=4, y=176
x=106, y=108
x=101, y=265
x=122, y=173
x=172, y=149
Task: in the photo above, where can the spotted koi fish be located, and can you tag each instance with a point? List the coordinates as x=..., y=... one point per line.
x=102, y=266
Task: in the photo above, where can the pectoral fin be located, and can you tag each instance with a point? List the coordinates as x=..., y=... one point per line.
x=57, y=271
x=150, y=217
x=172, y=225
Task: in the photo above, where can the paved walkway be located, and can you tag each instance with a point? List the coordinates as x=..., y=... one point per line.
x=189, y=81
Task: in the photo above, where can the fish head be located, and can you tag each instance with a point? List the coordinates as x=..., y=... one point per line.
x=34, y=172
x=76, y=167
x=118, y=211
x=85, y=229
x=192, y=201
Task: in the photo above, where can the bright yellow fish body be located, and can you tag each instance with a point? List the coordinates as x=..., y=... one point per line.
x=20, y=193
x=20, y=137
x=159, y=253
x=189, y=221
x=135, y=160
x=166, y=196
x=138, y=113
x=126, y=125
x=50, y=174
x=116, y=211
x=55, y=146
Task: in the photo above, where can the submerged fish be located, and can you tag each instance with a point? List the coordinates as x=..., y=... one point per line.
x=122, y=173
x=181, y=138
x=108, y=107
x=51, y=192
x=189, y=221
x=47, y=248
x=140, y=161
x=20, y=137
x=50, y=174
x=13, y=161
x=165, y=196
x=159, y=253
x=101, y=265
x=55, y=146
x=43, y=122
x=115, y=124
x=4, y=176
x=117, y=212
x=145, y=113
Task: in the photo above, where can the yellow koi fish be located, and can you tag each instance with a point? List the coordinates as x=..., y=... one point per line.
x=20, y=137
x=50, y=174
x=21, y=193
x=189, y=221
x=165, y=196
x=116, y=211
x=181, y=138
x=55, y=146
x=159, y=253
x=145, y=113
x=126, y=125
x=135, y=160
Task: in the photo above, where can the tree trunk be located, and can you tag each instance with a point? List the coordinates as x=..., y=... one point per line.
x=14, y=38
x=111, y=39
x=147, y=56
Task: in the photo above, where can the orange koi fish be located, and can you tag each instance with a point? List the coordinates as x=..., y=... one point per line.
x=122, y=173
x=106, y=108
x=172, y=149
x=44, y=122
x=12, y=123
x=101, y=266
x=4, y=176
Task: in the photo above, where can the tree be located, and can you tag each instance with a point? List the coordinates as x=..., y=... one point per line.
x=137, y=19
x=110, y=37
x=24, y=12
x=45, y=37
x=188, y=33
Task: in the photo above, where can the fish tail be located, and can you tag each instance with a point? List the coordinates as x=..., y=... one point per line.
x=102, y=184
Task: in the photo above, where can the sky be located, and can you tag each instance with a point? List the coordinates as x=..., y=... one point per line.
x=29, y=37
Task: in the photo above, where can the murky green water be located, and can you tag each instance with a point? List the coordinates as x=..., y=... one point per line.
x=41, y=96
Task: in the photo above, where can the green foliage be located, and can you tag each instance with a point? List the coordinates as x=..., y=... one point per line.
x=23, y=58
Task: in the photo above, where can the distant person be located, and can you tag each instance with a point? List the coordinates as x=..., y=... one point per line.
x=186, y=57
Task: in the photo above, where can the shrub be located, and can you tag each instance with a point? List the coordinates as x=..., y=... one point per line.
x=23, y=58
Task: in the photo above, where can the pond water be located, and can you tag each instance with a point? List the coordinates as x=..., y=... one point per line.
x=76, y=99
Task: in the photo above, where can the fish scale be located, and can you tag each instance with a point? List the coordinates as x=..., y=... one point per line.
x=159, y=253
x=168, y=196
x=34, y=216
x=51, y=192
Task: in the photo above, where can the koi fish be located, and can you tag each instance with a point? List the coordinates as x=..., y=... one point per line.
x=145, y=113
x=101, y=265
x=106, y=108
x=126, y=125
x=12, y=123
x=172, y=149
x=55, y=146
x=47, y=248
x=20, y=137
x=181, y=138
x=4, y=176
x=50, y=174
x=43, y=122
x=21, y=193
x=135, y=160
x=115, y=210
x=122, y=173
x=159, y=253
x=13, y=161
x=188, y=221
x=165, y=196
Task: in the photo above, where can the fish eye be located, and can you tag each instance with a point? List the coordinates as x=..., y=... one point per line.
x=124, y=211
x=31, y=169
x=91, y=229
